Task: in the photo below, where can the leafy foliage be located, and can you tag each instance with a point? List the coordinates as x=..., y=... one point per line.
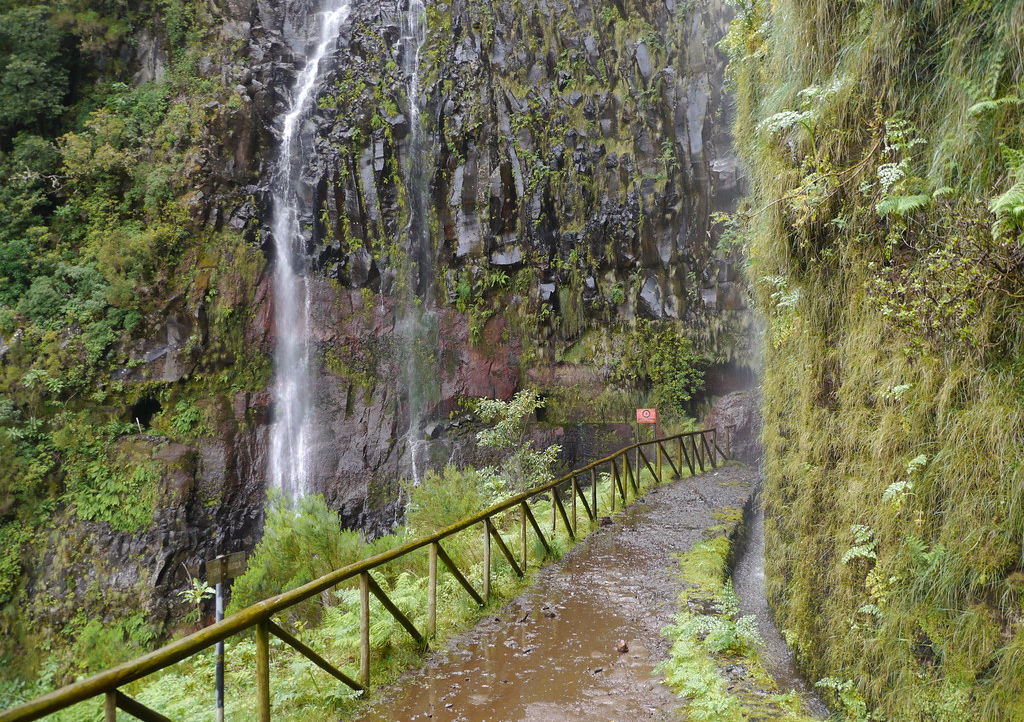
x=442, y=498
x=194, y=596
x=301, y=542
x=100, y=477
x=34, y=74
x=522, y=465
x=705, y=643
x=863, y=544
x=657, y=355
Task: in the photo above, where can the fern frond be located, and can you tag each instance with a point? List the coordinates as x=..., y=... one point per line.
x=1014, y=158
x=1011, y=203
x=992, y=105
x=902, y=205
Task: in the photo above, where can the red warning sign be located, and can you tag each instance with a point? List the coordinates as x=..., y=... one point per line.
x=647, y=416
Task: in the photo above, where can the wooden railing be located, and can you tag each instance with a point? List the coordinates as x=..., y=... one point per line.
x=695, y=451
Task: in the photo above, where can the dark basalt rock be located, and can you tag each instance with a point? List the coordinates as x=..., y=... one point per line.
x=529, y=161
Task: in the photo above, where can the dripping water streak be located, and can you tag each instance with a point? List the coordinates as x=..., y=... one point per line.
x=418, y=320
x=293, y=430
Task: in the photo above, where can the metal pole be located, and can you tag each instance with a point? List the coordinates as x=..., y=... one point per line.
x=219, y=615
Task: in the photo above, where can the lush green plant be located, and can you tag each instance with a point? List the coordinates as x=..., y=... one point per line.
x=101, y=644
x=523, y=466
x=101, y=474
x=301, y=541
x=442, y=498
x=34, y=74
x=194, y=596
x=659, y=357
x=188, y=419
x=704, y=643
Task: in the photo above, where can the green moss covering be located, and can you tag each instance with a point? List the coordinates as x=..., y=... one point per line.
x=709, y=635
x=884, y=142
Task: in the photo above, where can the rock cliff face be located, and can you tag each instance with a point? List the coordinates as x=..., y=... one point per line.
x=576, y=150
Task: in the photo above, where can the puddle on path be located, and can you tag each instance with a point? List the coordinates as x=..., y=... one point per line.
x=550, y=654
x=748, y=580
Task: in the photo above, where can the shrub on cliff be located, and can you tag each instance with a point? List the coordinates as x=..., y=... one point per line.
x=523, y=465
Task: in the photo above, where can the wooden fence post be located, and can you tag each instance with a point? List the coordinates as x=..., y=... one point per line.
x=110, y=707
x=364, y=630
x=612, y=475
x=522, y=532
x=432, y=592
x=487, y=559
x=263, y=672
x=575, y=491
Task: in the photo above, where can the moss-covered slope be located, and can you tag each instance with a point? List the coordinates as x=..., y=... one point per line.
x=884, y=229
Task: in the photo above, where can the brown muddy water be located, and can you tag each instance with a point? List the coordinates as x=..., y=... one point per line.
x=550, y=654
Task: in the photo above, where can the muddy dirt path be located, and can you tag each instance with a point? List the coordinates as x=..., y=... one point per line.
x=550, y=654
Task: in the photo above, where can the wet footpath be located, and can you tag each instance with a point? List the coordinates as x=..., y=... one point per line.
x=553, y=652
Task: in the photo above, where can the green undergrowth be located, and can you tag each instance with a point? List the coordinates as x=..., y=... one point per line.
x=630, y=365
x=884, y=232
x=305, y=541
x=103, y=245
x=709, y=636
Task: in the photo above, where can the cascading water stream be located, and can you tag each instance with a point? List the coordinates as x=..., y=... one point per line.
x=293, y=431
x=417, y=322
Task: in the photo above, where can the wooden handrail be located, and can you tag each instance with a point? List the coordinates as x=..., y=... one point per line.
x=259, y=614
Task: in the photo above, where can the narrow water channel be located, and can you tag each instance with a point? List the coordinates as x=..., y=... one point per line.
x=551, y=654
x=748, y=580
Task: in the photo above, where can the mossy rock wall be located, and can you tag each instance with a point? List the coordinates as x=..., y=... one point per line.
x=883, y=142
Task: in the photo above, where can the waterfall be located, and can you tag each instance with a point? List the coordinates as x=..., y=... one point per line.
x=417, y=320
x=294, y=427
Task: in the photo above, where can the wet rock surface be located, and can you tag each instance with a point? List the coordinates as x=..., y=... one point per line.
x=737, y=416
x=748, y=580
x=553, y=652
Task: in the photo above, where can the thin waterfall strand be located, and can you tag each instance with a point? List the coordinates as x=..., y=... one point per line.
x=294, y=428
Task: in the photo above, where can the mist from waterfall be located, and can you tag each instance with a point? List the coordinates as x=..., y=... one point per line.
x=417, y=317
x=294, y=428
